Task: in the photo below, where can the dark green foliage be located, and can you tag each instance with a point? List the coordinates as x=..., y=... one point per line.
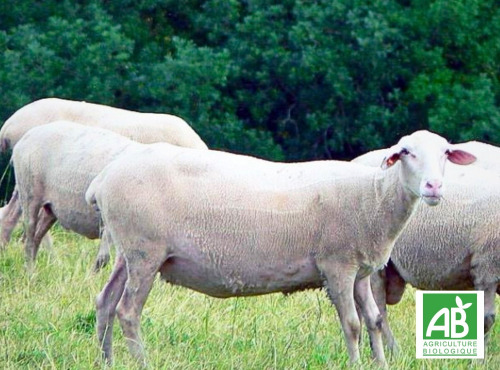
x=284, y=80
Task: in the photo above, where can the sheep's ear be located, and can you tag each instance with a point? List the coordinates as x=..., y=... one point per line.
x=458, y=156
x=389, y=161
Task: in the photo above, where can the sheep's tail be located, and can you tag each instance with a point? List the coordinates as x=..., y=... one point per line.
x=91, y=193
x=4, y=142
x=4, y=145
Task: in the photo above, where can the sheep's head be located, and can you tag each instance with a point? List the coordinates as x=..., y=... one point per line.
x=423, y=156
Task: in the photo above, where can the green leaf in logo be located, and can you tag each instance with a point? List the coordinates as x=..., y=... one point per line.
x=460, y=304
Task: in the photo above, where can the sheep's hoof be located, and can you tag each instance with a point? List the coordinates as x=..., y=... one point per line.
x=101, y=262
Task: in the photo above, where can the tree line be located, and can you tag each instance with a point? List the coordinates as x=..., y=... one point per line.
x=284, y=80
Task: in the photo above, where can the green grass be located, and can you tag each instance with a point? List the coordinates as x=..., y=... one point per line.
x=47, y=321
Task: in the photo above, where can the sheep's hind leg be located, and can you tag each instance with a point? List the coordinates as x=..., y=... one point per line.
x=371, y=314
x=106, y=303
x=142, y=269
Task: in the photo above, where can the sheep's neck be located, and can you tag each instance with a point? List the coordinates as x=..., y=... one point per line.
x=393, y=203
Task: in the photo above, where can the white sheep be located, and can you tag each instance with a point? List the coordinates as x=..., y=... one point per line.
x=462, y=251
x=229, y=225
x=141, y=127
x=488, y=156
x=52, y=183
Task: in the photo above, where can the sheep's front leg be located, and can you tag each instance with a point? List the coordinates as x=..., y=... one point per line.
x=484, y=267
x=489, y=309
x=11, y=214
x=32, y=210
x=364, y=298
x=141, y=274
x=45, y=221
x=340, y=289
x=39, y=221
x=106, y=303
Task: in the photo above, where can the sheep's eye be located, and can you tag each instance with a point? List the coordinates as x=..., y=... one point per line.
x=447, y=152
x=404, y=151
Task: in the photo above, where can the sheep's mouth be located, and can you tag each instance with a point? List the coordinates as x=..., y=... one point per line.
x=431, y=200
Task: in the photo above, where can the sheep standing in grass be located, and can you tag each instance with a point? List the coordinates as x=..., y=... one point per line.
x=460, y=252
x=54, y=164
x=140, y=127
x=229, y=225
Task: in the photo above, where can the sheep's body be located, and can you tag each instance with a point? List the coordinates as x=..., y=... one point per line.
x=53, y=182
x=229, y=225
x=488, y=156
x=264, y=217
x=373, y=158
x=462, y=251
x=140, y=127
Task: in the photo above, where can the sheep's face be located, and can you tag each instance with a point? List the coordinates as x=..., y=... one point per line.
x=423, y=156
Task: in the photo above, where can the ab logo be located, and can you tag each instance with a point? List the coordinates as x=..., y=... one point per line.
x=455, y=311
x=450, y=324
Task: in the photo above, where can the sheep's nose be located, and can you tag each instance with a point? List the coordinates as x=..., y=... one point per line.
x=433, y=185
x=432, y=191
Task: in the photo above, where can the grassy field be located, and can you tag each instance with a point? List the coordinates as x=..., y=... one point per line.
x=47, y=320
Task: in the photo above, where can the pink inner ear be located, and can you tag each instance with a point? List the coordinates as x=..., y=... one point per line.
x=389, y=161
x=461, y=157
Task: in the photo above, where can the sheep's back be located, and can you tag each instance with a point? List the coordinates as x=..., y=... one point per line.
x=60, y=176
x=141, y=127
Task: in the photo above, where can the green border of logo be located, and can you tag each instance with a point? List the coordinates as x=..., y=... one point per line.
x=457, y=318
